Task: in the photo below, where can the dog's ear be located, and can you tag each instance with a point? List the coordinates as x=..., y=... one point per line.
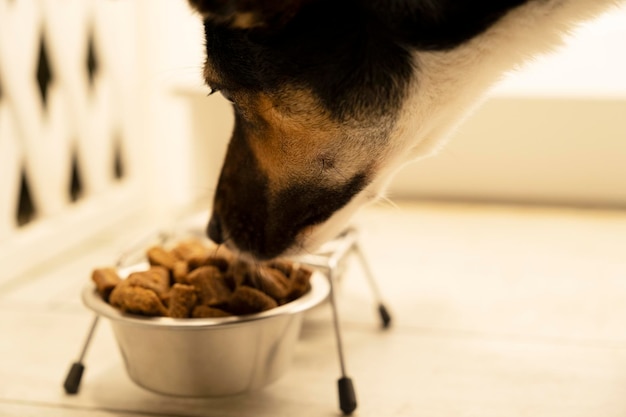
x=249, y=14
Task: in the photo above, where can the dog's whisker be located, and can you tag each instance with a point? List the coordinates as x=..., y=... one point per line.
x=383, y=199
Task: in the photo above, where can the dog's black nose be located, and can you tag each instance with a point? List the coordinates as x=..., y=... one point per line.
x=214, y=229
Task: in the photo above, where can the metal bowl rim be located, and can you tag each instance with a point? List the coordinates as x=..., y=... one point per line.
x=320, y=290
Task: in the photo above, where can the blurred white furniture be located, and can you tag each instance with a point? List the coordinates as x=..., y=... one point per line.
x=89, y=132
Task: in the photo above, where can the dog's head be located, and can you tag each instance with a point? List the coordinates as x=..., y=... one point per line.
x=331, y=97
x=315, y=90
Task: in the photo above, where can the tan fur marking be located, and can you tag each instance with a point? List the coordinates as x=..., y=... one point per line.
x=246, y=20
x=296, y=135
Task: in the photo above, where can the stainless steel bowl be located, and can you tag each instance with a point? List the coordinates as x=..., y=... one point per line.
x=208, y=357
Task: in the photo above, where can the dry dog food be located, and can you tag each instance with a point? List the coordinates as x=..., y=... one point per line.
x=195, y=280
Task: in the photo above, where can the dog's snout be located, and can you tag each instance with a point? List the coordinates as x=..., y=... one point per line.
x=214, y=229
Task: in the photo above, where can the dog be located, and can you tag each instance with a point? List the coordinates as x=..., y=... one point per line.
x=332, y=97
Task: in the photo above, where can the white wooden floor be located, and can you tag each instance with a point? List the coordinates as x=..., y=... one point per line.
x=499, y=311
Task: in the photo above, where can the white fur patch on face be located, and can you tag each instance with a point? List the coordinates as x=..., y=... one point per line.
x=448, y=85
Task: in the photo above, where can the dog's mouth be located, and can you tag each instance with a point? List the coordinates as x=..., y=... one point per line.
x=265, y=226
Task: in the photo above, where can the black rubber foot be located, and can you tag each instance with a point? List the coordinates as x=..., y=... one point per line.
x=384, y=316
x=347, y=397
x=72, y=381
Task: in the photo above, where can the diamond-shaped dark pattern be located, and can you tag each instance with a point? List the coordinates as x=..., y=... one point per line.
x=26, y=210
x=44, y=72
x=76, y=182
x=119, y=168
x=92, y=59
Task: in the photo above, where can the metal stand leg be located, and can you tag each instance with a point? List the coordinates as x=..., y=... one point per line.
x=382, y=309
x=331, y=261
x=347, y=395
x=75, y=374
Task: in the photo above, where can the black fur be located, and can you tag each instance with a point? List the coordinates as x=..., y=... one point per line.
x=338, y=51
x=439, y=24
x=241, y=199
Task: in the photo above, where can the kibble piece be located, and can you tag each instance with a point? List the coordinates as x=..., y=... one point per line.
x=182, y=300
x=156, y=279
x=283, y=266
x=220, y=262
x=105, y=279
x=189, y=249
x=239, y=273
x=300, y=282
x=197, y=254
x=200, y=312
x=213, y=288
x=273, y=283
x=180, y=271
x=247, y=300
x=158, y=256
x=136, y=300
x=221, y=251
